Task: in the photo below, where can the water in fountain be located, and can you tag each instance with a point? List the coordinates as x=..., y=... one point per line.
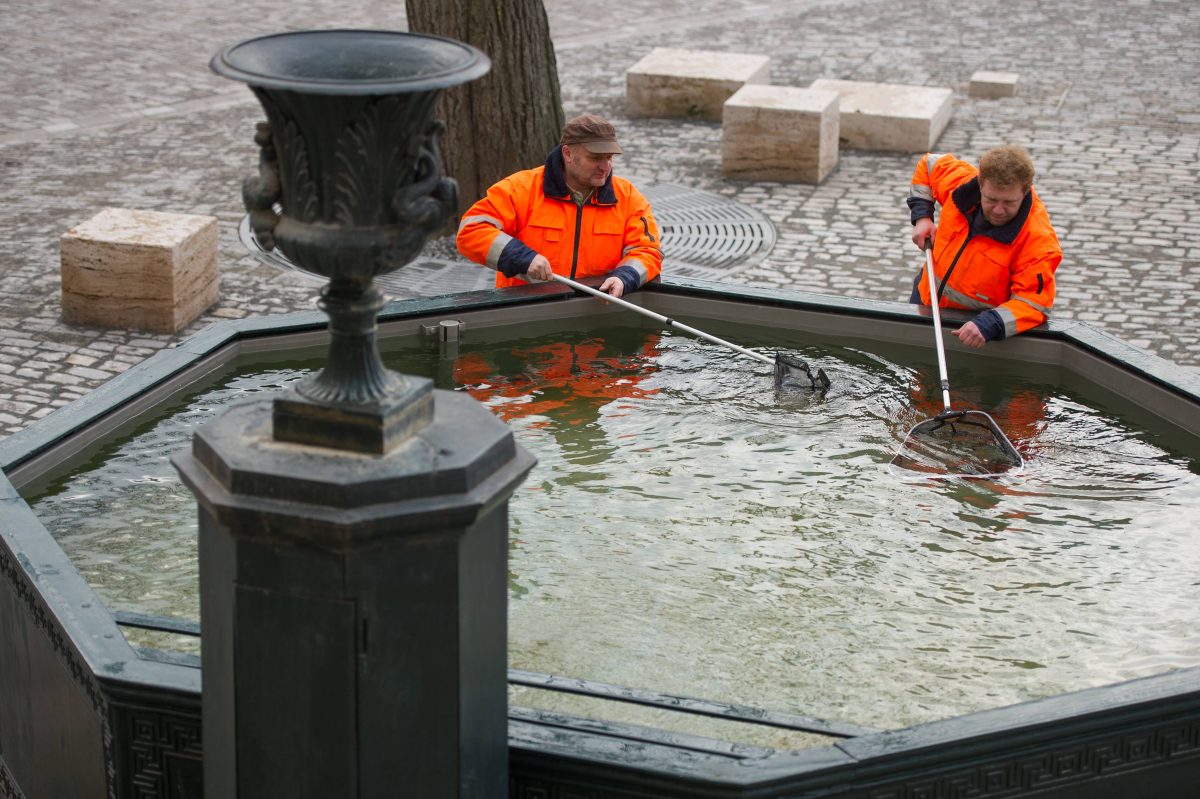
x=689, y=530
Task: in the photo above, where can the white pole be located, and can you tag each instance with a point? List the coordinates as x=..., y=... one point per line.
x=665, y=319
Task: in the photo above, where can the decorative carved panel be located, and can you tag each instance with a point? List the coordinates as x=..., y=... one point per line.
x=165, y=756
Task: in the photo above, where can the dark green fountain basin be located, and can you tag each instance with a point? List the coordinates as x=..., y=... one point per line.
x=131, y=711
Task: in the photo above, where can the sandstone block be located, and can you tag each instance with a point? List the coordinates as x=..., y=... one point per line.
x=689, y=84
x=781, y=133
x=885, y=116
x=990, y=85
x=139, y=269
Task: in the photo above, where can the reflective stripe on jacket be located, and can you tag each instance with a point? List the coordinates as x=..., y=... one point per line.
x=531, y=212
x=1009, y=269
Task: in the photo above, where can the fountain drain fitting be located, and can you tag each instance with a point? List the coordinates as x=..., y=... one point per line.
x=445, y=330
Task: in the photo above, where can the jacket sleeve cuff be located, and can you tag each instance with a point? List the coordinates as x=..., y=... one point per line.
x=990, y=325
x=629, y=276
x=515, y=258
x=920, y=208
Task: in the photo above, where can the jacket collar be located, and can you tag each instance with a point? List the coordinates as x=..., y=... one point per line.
x=967, y=198
x=554, y=182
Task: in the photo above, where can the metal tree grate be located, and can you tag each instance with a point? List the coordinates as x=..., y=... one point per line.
x=703, y=236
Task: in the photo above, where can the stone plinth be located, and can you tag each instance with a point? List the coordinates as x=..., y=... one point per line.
x=780, y=133
x=990, y=85
x=355, y=608
x=883, y=116
x=689, y=84
x=139, y=269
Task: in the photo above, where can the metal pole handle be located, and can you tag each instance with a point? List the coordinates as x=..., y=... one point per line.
x=669, y=322
x=937, y=327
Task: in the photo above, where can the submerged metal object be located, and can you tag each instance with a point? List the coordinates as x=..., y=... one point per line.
x=446, y=330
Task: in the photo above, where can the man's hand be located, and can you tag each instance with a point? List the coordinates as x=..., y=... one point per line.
x=539, y=269
x=923, y=232
x=613, y=286
x=969, y=334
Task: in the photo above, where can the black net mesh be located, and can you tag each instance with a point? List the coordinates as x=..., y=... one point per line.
x=958, y=444
x=794, y=373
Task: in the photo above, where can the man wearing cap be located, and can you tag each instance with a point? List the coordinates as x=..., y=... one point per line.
x=571, y=216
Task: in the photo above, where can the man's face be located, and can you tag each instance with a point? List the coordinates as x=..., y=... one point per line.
x=1000, y=203
x=586, y=170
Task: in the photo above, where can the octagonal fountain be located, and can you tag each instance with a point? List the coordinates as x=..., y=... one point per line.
x=715, y=588
x=698, y=542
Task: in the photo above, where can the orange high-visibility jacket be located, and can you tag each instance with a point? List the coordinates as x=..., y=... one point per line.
x=531, y=212
x=1008, y=270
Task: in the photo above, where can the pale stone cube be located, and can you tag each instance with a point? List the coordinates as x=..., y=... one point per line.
x=781, y=133
x=990, y=85
x=689, y=84
x=145, y=270
x=886, y=116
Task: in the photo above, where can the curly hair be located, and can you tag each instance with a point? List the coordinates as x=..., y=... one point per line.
x=1006, y=166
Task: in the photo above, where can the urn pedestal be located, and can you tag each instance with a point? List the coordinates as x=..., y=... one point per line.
x=354, y=530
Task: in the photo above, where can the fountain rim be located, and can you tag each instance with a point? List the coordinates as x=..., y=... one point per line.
x=472, y=63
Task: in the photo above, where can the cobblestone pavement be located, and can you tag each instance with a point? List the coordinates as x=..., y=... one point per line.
x=112, y=104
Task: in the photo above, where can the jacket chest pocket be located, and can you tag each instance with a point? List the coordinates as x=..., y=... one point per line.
x=988, y=276
x=607, y=224
x=608, y=235
x=545, y=231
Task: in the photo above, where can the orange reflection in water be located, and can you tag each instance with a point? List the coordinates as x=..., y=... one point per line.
x=566, y=383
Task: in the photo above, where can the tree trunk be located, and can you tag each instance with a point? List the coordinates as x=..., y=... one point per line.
x=510, y=118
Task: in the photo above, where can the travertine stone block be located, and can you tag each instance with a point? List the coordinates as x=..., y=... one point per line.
x=989, y=85
x=690, y=84
x=780, y=133
x=139, y=269
x=885, y=116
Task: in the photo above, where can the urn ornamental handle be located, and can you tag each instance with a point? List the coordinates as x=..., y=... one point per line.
x=260, y=194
